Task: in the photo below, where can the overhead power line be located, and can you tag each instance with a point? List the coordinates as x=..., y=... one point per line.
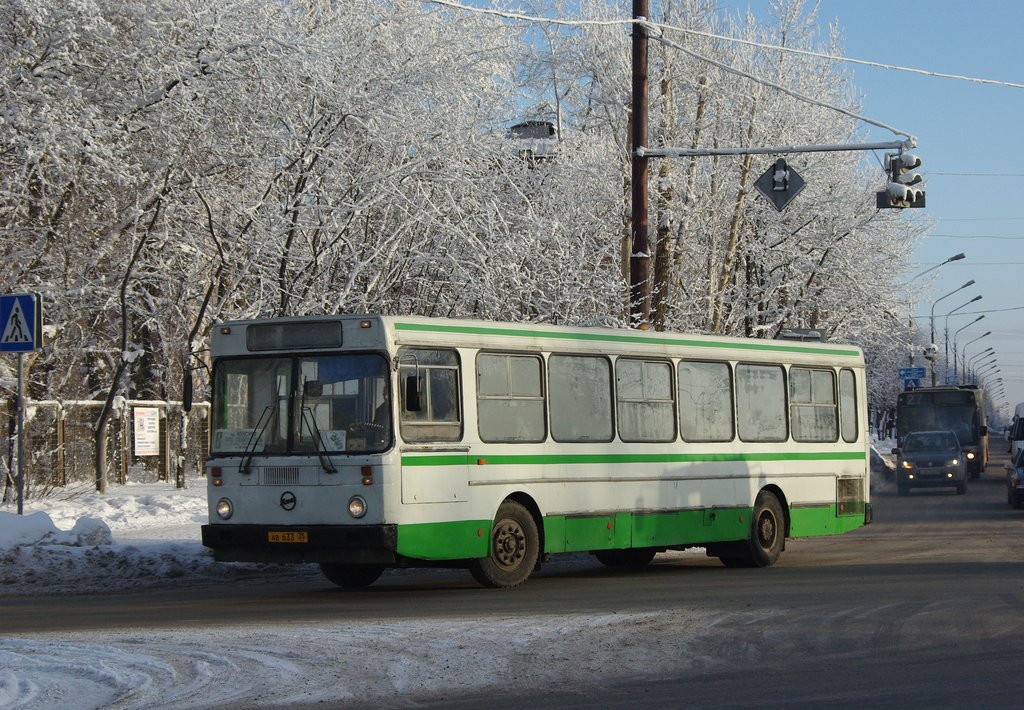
x=980, y=219
x=999, y=175
x=736, y=40
x=840, y=58
x=975, y=236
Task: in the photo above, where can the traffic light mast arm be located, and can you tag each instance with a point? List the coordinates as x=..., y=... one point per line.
x=670, y=152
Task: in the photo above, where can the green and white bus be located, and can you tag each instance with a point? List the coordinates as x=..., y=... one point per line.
x=366, y=442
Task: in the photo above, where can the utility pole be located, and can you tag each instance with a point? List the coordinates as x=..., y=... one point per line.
x=639, y=256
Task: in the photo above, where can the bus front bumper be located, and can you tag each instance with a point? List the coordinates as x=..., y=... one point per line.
x=346, y=544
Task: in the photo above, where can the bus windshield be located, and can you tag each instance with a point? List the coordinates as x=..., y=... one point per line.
x=301, y=405
x=961, y=419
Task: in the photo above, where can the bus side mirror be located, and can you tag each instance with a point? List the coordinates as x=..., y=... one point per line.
x=186, y=392
x=412, y=394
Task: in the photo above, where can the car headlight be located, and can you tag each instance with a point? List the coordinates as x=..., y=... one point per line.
x=225, y=509
x=906, y=464
x=357, y=506
x=970, y=455
x=954, y=462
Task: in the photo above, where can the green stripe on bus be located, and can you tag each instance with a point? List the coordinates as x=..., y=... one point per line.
x=534, y=459
x=607, y=337
x=467, y=539
x=458, y=540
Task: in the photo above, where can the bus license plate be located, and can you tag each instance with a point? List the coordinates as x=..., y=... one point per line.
x=281, y=536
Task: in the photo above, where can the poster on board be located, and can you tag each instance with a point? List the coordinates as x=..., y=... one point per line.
x=147, y=431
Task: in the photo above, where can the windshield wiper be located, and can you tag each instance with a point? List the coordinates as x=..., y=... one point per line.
x=318, y=442
x=254, y=438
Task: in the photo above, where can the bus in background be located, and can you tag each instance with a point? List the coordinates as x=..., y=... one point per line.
x=366, y=442
x=960, y=409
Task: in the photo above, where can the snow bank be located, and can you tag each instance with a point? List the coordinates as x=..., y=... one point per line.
x=136, y=536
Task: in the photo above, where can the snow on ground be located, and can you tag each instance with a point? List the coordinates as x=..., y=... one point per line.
x=147, y=535
x=139, y=536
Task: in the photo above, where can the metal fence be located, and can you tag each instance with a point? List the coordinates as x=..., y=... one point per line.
x=60, y=443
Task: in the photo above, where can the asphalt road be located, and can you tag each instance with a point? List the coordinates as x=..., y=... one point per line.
x=923, y=608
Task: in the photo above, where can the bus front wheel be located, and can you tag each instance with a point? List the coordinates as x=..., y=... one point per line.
x=514, y=549
x=351, y=576
x=767, y=536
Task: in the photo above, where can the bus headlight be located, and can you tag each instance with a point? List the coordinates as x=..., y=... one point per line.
x=970, y=455
x=357, y=507
x=225, y=508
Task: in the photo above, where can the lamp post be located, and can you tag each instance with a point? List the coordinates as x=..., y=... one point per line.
x=931, y=346
x=983, y=368
x=965, y=352
x=986, y=368
x=955, y=377
x=945, y=337
x=910, y=321
x=983, y=376
x=955, y=257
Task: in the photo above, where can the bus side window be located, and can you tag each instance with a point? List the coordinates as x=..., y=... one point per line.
x=705, y=401
x=848, y=405
x=510, y=397
x=813, y=411
x=761, y=402
x=581, y=397
x=430, y=408
x=646, y=410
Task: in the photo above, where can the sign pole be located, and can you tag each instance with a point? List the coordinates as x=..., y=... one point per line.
x=21, y=331
x=21, y=434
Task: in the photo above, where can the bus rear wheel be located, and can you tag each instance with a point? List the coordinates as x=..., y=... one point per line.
x=514, y=549
x=351, y=576
x=767, y=536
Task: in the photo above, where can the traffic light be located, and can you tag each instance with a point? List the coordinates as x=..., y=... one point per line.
x=900, y=192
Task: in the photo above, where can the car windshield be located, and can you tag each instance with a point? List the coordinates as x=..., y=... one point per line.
x=931, y=441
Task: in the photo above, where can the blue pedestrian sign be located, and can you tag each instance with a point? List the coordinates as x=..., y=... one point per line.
x=911, y=376
x=21, y=323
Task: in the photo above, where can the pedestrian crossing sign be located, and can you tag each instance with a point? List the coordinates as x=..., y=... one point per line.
x=21, y=320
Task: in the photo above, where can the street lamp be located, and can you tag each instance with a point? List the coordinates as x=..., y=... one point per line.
x=965, y=353
x=973, y=369
x=986, y=368
x=945, y=336
x=982, y=377
x=932, y=345
x=954, y=341
x=910, y=321
x=955, y=257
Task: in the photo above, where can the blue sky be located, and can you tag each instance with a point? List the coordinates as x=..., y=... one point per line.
x=963, y=130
